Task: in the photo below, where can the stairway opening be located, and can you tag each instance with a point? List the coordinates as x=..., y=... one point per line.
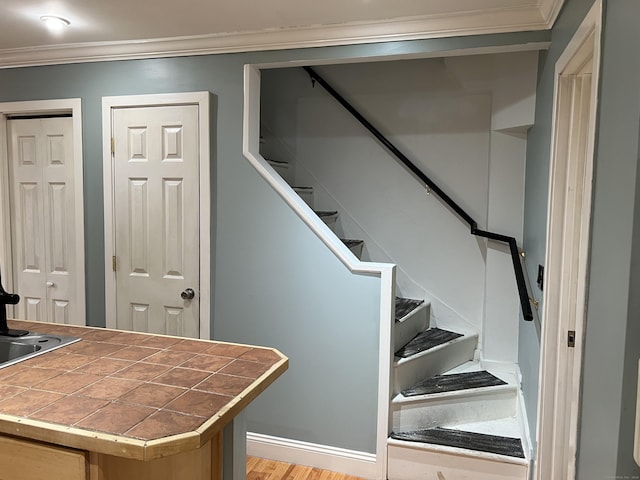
x=454, y=383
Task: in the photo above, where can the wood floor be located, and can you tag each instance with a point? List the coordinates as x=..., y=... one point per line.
x=263, y=469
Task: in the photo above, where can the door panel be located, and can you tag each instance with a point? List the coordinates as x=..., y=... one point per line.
x=156, y=205
x=43, y=238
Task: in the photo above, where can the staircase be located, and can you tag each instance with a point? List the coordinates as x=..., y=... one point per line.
x=451, y=417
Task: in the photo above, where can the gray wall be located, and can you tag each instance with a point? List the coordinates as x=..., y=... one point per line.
x=274, y=283
x=536, y=195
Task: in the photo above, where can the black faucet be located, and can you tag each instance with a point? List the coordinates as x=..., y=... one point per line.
x=8, y=299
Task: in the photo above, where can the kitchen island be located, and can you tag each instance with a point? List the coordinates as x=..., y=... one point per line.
x=125, y=405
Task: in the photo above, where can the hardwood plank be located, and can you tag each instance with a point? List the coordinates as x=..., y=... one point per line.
x=265, y=469
x=300, y=472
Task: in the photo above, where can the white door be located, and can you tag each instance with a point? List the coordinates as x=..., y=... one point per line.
x=156, y=219
x=41, y=171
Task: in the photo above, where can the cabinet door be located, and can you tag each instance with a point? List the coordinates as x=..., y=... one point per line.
x=25, y=460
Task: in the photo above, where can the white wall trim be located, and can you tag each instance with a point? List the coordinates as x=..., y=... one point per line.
x=191, y=98
x=349, y=462
x=568, y=228
x=386, y=272
x=473, y=22
x=73, y=106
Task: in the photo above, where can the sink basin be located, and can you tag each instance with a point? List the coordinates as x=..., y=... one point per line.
x=17, y=349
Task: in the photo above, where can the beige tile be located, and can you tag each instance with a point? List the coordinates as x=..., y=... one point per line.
x=152, y=395
x=67, y=382
x=203, y=404
x=110, y=388
x=163, y=424
x=116, y=418
x=181, y=377
x=28, y=402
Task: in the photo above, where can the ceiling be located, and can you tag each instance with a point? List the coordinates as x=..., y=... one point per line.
x=112, y=29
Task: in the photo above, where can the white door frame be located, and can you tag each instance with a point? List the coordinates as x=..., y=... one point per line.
x=567, y=250
x=44, y=107
x=131, y=101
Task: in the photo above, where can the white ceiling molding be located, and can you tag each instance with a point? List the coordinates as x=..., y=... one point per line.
x=538, y=16
x=550, y=9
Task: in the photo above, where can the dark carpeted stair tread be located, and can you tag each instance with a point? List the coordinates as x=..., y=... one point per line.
x=425, y=340
x=479, y=442
x=351, y=243
x=453, y=382
x=404, y=306
x=276, y=162
x=327, y=213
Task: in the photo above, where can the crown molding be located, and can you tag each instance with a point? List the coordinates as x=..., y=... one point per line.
x=550, y=9
x=534, y=17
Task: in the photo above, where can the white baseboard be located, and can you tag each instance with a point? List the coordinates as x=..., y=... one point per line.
x=350, y=462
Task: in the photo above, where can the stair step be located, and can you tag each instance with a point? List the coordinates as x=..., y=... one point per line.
x=426, y=340
x=282, y=168
x=354, y=245
x=480, y=442
x=411, y=318
x=453, y=382
x=451, y=350
x=404, y=306
x=306, y=194
x=459, y=403
x=329, y=217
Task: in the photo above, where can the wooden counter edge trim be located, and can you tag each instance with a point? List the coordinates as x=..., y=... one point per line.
x=72, y=437
x=158, y=448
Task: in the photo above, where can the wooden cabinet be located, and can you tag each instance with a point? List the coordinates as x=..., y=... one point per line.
x=26, y=460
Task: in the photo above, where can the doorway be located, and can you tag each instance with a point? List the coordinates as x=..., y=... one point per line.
x=567, y=257
x=41, y=209
x=157, y=225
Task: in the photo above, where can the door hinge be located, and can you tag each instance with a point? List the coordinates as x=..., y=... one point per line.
x=571, y=338
x=113, y=145
x=114, y=263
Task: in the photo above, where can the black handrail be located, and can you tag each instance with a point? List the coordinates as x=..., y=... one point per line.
x=473, y=225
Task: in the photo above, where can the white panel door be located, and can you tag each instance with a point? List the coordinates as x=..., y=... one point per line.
x=43, y=230
x=156, y=210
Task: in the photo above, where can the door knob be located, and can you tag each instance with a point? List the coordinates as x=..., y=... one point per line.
x=188, y=294
x=51, y=284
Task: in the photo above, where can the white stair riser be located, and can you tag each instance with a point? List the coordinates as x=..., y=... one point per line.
x=450, y=410
x=423, y=464
x=416, y=321
x=409, y=371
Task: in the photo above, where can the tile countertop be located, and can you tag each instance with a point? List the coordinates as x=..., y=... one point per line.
x=129, y=394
